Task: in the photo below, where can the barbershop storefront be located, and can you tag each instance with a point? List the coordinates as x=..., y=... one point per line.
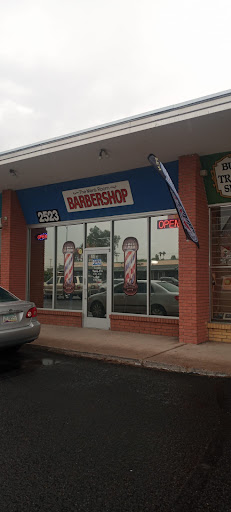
x=101, y=253
x=90, y=231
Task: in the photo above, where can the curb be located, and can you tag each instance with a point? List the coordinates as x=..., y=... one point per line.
x=134, y=362
x=91, y=355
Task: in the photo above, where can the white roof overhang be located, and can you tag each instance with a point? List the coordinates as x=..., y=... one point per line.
x=202, y=126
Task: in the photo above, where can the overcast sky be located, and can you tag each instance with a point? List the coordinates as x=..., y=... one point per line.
x=73, y=64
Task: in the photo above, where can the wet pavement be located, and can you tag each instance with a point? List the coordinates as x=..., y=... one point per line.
x=84, y=435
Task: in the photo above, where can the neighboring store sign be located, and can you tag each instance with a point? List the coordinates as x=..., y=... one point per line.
x=221, y=174
x=99, y=196
x=48, y=216
x=217, y=184
x=168, y=223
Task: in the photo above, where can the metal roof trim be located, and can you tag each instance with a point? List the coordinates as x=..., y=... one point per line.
x=164, y=110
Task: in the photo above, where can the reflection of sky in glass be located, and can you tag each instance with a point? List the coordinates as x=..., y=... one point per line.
x=68, y=234
x=133, y=227
x=164, y=240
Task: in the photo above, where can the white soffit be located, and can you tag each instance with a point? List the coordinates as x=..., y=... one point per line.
x=200, y=126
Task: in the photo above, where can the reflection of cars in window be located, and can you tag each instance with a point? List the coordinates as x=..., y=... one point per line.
x=78, y=280
x=48, y=287
x=164, y=300
x=104, y=284
x=168, y=279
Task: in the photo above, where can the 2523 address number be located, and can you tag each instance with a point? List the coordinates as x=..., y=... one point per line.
x=48, y=216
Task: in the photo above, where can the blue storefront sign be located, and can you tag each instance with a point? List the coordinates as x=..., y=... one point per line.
x=123, y=193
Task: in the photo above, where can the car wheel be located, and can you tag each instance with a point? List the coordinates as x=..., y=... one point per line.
x=67, y=296
x=97, y=309
x=159, y=310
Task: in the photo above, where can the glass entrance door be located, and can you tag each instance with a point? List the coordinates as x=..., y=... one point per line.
x=97, y=288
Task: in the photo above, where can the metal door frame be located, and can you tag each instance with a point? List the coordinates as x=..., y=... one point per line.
x=97, y=323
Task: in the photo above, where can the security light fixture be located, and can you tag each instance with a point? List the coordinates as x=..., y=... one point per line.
x=13, y=172
x=103, y=154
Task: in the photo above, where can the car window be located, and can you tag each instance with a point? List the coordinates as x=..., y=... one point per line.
x=6, y=296
x=50, y=281
x=169, y=286
x=119, y=288
x=61, y=280
x=142, y=288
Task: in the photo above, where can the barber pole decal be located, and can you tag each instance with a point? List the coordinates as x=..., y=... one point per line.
x=130, y=247
x=68, y=282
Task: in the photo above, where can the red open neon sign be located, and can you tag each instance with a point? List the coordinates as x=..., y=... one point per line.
x=168, y=223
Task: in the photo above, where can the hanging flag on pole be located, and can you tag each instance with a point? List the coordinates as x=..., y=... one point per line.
x=186, y=224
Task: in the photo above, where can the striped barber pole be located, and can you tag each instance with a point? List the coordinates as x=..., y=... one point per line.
x=130, y=247
x=68, y=281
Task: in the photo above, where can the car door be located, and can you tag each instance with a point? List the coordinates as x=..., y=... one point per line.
x=131, y=303
x=48, y=288
x=140, y=299
x=59, y=285
x=119, y=298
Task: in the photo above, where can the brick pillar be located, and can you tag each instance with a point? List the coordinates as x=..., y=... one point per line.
x=193, y=262
x=14, y=245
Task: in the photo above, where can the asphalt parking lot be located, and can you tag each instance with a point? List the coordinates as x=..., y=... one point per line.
x=83, y=435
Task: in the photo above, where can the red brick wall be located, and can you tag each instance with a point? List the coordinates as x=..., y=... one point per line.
x=68, y=318
x=14, y=245
x=193, y=262
x=146, y=325
x=37, y=269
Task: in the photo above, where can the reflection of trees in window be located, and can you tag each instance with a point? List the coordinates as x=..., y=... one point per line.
x=101, y=238
x=48, y=272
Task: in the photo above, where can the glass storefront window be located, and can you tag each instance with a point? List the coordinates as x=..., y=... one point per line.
x=41, y=267
x=130, y=266
x=69, y=274
x=98, y=234
x=221, y=263
x=131, y=293
x=164, y=291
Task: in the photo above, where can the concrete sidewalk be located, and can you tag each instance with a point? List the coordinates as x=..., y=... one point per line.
x=160, y=352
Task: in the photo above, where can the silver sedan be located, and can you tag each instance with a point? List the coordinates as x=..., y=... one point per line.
x=164, y=300
x=18, y=321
